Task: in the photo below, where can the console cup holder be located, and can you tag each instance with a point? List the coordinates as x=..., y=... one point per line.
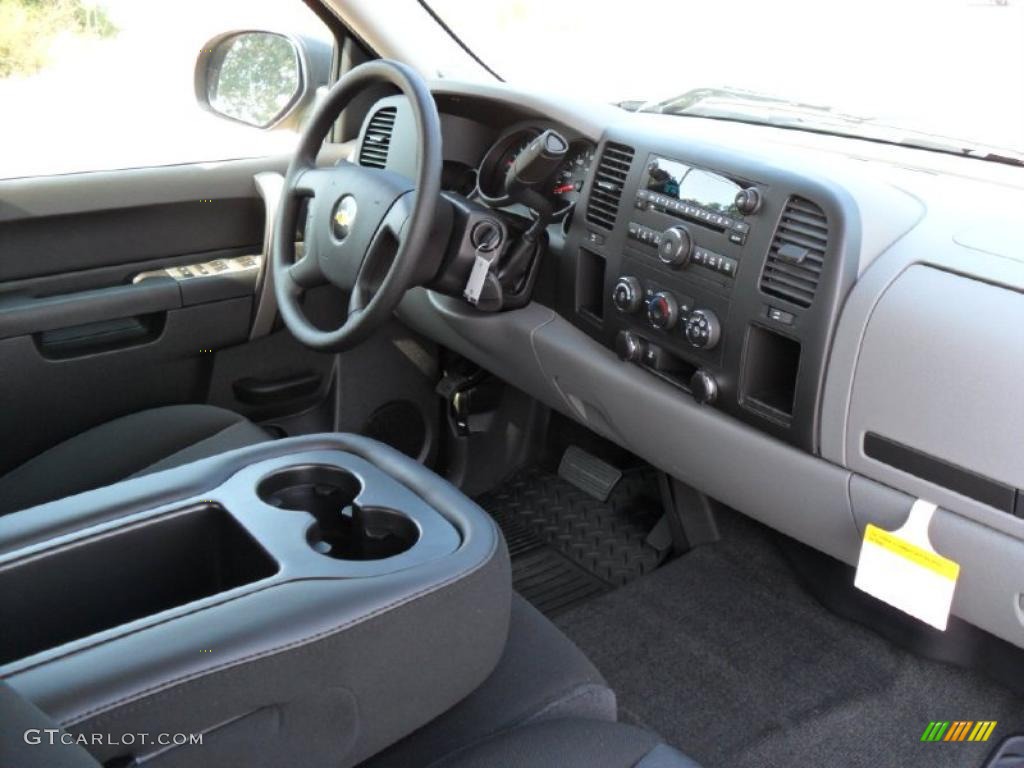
x=343, y=530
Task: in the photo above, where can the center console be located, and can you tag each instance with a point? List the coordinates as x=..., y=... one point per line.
x=723, y=279
x=320, y=596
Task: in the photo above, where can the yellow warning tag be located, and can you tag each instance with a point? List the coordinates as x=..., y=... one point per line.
x=902, y=569
x=923, y=557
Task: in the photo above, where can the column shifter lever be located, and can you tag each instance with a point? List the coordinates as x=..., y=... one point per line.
x=533, y=167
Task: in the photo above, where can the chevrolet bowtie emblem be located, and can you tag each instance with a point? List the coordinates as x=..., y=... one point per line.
x=344, y=217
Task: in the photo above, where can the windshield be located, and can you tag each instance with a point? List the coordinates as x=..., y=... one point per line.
x=910, y=71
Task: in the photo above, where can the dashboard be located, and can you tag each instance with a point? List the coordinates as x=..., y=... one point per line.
x=815, y=331
x=720, y=279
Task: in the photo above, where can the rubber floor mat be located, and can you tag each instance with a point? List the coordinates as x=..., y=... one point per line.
x=540, y=573
x=605, y=540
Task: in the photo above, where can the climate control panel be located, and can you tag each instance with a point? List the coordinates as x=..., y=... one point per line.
x=671, y=329
x=668, y=311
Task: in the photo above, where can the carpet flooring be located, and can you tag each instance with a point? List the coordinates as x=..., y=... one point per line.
x=725, y=655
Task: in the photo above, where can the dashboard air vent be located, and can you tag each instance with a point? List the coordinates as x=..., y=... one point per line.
x=603, y=207
x=374, y=152
x=797, y=253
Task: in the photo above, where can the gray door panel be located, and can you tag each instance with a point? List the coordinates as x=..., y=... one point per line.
x=79, y=342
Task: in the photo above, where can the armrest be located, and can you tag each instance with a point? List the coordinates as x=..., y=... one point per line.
x=24, y=315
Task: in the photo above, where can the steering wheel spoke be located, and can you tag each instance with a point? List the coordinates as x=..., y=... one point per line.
x=306, y=273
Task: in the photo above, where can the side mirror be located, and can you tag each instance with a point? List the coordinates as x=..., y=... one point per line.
x=262, y=79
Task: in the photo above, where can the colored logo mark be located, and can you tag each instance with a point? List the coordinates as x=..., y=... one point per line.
x=958, y=730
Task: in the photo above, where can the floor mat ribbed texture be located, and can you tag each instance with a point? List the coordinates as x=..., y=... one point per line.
x=567, y=546
x=725, y=655
x=540, y=573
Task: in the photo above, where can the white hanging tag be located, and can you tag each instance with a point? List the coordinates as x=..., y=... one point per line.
x=477, y=276
x=902, y=568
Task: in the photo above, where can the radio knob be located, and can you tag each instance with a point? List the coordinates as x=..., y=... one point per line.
x=703, y=329
x=704, y=387
x=663, y=311
x=676, y=247
x=626, y=294
x=630, y=347
x=748, y=201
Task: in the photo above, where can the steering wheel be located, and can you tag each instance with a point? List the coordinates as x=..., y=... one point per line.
x=366, y=227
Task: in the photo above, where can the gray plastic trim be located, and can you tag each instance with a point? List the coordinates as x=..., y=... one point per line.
x=114, y=190
x=269, y=185
x=541, y=353
x=928, y=349
x=991, y=583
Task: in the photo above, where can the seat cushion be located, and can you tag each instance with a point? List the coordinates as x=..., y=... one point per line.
x=140, y=443
x=568, y=743
x=541, y=675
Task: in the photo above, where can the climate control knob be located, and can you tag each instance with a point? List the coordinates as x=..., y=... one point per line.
x=627, y=294
x=702, y=329
x=704, y=387
x=676, y=247
x=663, y=311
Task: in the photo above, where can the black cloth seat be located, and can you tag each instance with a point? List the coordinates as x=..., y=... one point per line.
x=545, y=704
x=571, y=743
x=144, y=442
x=541, y=675
x=28, y=737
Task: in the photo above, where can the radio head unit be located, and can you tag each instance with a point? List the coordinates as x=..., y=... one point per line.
x=691, y=185
x=698, y=195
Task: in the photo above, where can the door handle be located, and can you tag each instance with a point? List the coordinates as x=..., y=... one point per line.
x=292, y=386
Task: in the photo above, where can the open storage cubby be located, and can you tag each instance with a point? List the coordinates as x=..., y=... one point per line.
x=590, y=269
x=770, y=368
x=125, y=574
x=343, y=529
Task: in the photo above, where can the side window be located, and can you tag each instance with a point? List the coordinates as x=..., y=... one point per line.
x=90, y=85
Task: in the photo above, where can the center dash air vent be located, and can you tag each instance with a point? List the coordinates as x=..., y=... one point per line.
x=374, y=152
x=797, y=253
x=603, y=207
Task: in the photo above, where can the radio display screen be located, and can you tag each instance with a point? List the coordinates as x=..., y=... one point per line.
x=692, y=185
